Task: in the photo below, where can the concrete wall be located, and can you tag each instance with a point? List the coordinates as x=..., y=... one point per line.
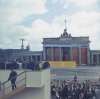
x=46, y=81
x=39, y=79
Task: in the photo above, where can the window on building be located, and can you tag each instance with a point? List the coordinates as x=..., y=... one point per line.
x=24, y=57
x=29, y=57
x=33, y=57
x=38, y=57
x=99, y=58
x=95, y=58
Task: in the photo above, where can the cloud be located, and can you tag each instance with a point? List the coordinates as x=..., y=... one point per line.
x=15, y=11
x=83, y=24
x=83, y=3
x=87, y=22
x=79, y=24
x=80, y=3
x=12, y=13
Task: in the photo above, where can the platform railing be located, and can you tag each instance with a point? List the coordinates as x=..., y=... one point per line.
x=6, y=87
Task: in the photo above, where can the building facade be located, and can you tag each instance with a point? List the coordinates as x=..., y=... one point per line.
x=8, y=54
x=29, y=55
x=95, y=57
x=62, y=48
x=67, y=48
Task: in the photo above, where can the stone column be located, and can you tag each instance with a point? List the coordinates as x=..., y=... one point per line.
x=41, y=58
x=88, y=55
x=27, y=57
x=36, y=57
x=71, y=53
x=60, y=54
x=92, y=58
x=31, y=57
x=79, y=57
x=52, y=54
x=44, y=53
x=97, y=58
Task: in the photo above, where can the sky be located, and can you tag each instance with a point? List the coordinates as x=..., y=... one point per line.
x=34, y=20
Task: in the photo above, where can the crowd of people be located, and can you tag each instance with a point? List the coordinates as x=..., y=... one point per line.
x=24, y=64
x=65, y=89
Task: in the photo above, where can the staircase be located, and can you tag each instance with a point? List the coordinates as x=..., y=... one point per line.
x=30, y=85
x=6, y=88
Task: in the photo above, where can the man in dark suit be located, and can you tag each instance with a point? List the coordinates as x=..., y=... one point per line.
x=12, y=78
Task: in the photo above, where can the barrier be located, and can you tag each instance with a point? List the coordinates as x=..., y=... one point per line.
x=68, y=64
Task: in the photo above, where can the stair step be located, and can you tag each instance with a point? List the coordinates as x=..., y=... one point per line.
x=19, y=89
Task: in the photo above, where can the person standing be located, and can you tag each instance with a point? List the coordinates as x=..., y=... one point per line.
x=12, y=78
x=32, y=64
x=75, y=78
x=37, y=65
